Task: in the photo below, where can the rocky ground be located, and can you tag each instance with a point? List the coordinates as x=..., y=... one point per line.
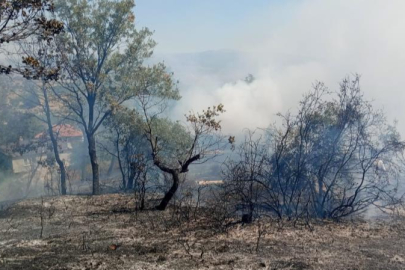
x=103, y=232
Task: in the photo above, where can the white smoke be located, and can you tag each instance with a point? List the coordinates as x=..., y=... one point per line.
x=328, y=40
x=290, y=46
x=247, y=105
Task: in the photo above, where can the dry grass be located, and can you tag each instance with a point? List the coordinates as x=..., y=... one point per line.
x=103, y=232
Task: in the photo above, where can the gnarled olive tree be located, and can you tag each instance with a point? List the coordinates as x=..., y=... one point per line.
x=175, y=148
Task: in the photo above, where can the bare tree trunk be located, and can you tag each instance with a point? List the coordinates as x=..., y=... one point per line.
x=94, y=164
x=169, y=195
x=31, y=174
x=130, y=184
x=62, y=169
x=54, y=142
x=319, y=199
x=61, y=165
x=123, y=174
x=91, y=138
x=143, y=192
x=131, y=178
x=112, y=163
x=83, y=170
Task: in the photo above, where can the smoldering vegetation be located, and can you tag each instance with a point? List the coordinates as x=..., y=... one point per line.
x=97, y=171
x=104, y=232
x=322, y=189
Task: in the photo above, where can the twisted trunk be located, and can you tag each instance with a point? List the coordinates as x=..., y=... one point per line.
x=175, y=173
x=169, y=195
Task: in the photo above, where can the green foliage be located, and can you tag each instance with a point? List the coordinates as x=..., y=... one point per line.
x=22, y=19
x=15, y=123
x=105, y=53
x=177, y=145
x=124, y=121
x=174, y=140
x=103, y=65
x=125, y=134
x=206, y=122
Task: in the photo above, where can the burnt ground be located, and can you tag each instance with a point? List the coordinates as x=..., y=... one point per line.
x=103, y=232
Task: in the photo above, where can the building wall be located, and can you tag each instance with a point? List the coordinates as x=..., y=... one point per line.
x=29, y=161
x=24, y=163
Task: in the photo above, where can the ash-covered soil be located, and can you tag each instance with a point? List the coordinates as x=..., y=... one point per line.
x=103, y=232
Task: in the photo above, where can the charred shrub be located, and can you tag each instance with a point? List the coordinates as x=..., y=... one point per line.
x=335, y=158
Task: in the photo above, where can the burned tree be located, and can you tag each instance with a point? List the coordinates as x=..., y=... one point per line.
x=324, y=162
x=336, y=157
x=243, y=177
x=174, y=148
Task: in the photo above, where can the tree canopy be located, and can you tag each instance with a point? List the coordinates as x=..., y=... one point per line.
x=103, y=65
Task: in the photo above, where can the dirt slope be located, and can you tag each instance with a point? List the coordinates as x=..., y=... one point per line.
x=104, y=233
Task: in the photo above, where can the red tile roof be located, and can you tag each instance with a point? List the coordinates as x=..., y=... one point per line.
x=62, y=131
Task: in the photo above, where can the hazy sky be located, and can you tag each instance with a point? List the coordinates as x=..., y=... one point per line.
x=198, y=25
x=291, y=44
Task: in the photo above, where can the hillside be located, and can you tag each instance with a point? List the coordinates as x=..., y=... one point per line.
x=103, y=232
